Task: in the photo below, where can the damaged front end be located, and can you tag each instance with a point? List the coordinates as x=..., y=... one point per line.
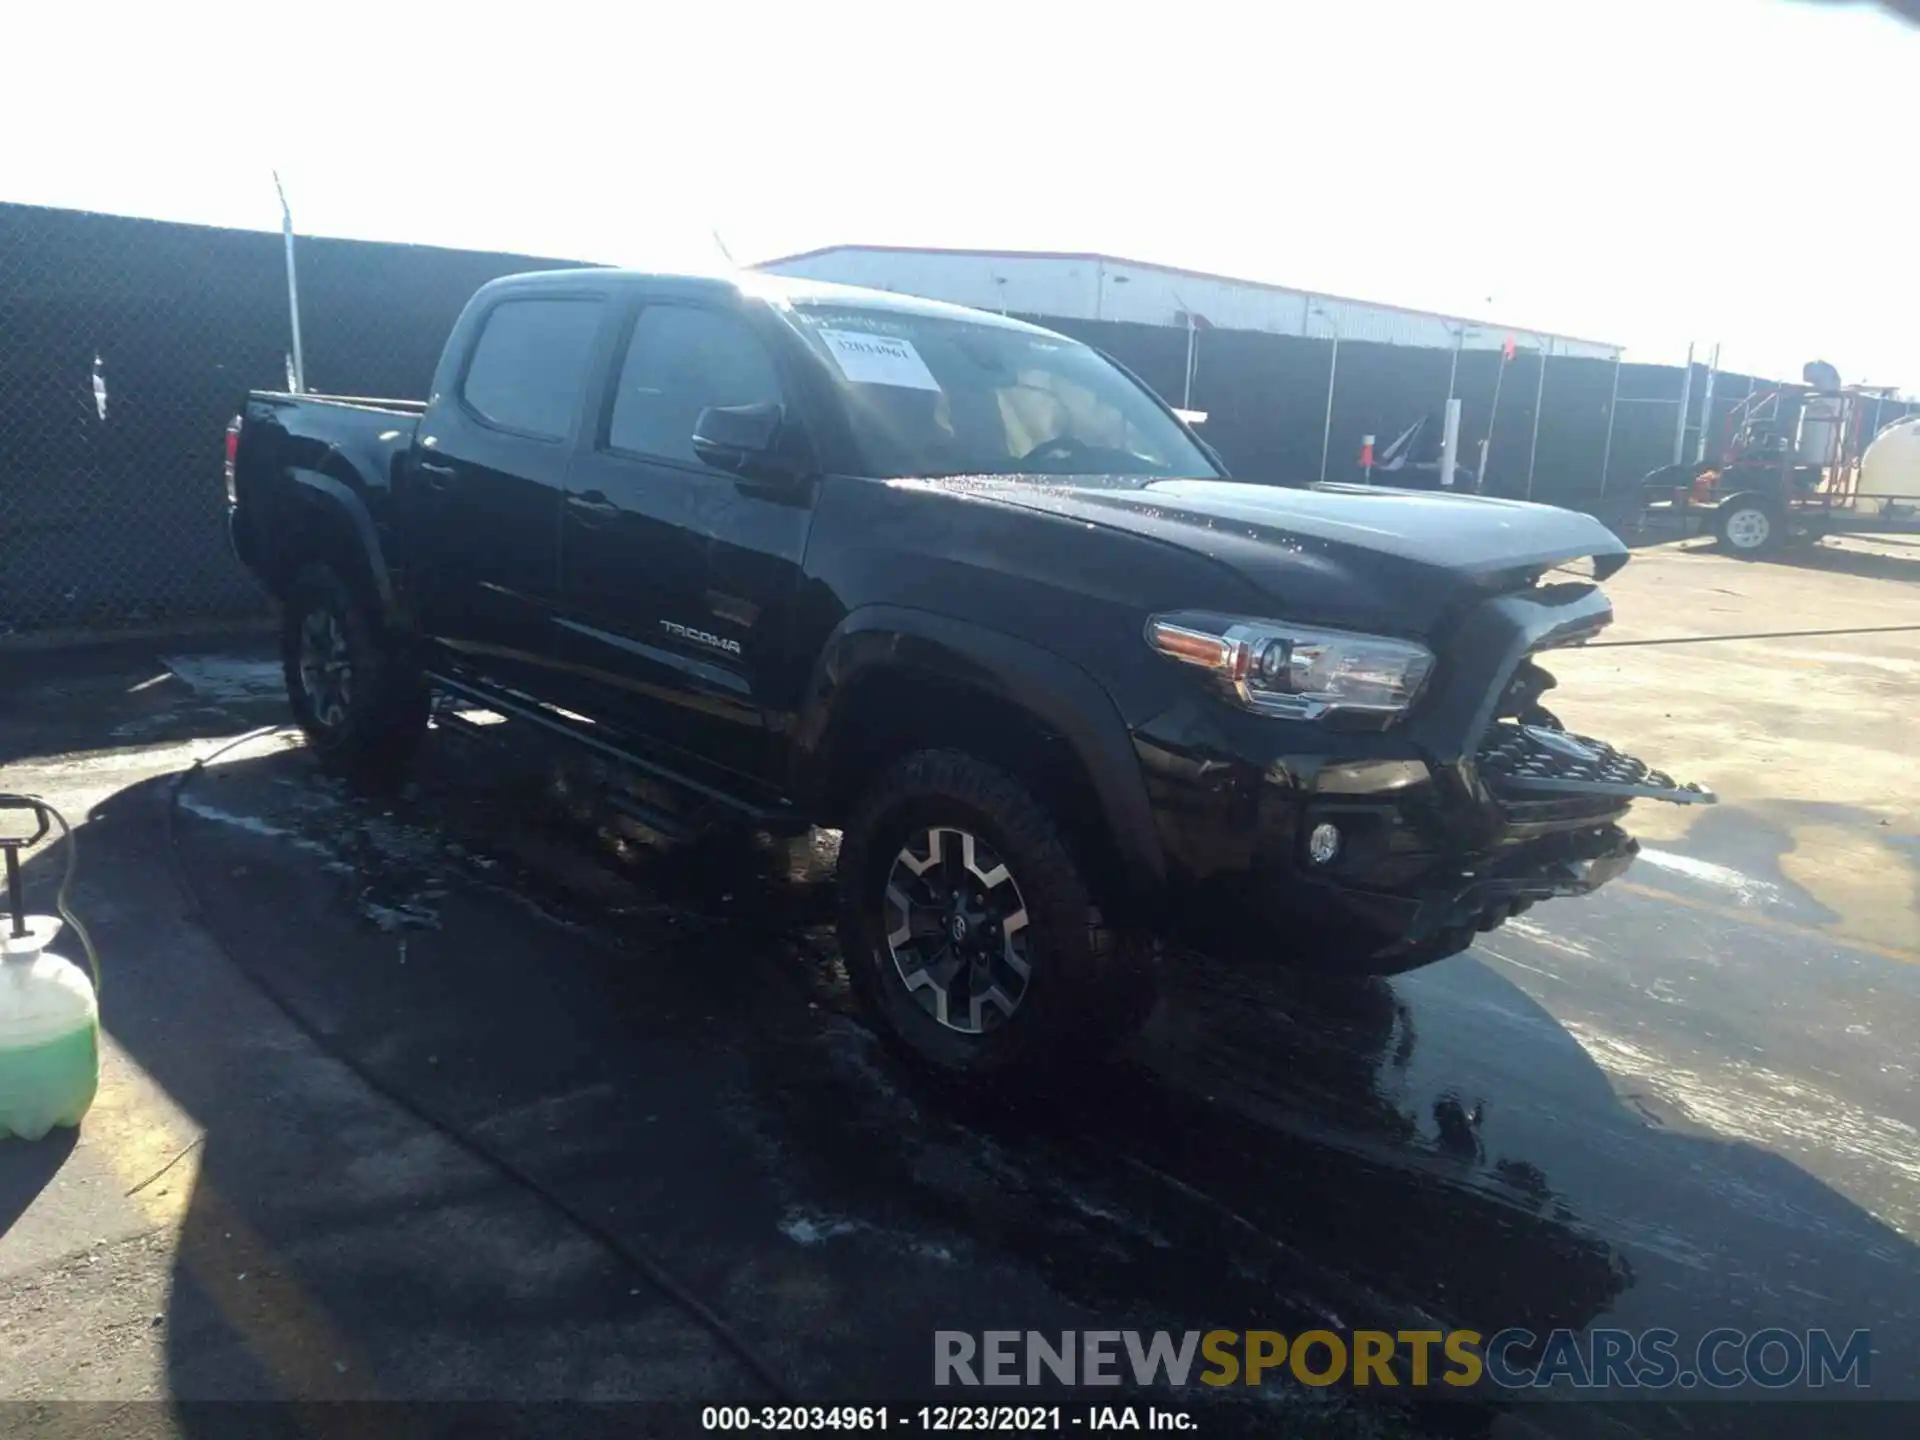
x=1536, y=813
x=1383, y=848
x=1554, y=799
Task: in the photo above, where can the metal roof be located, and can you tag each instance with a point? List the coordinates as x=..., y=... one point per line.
x=1350, y=313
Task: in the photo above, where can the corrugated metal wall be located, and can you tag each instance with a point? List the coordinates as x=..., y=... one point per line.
x=1064, y=287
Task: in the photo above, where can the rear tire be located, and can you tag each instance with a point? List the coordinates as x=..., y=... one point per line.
x=971, y=936
x=359, y=700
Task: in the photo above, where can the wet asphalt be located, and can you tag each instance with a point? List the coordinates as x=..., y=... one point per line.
x=1670, y=1106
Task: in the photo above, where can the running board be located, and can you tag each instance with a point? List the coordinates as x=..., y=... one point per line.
x=445, y=719
x=525, y=708
x=661, y=822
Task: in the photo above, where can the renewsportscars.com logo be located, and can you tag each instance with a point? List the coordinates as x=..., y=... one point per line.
x=1513, y=1359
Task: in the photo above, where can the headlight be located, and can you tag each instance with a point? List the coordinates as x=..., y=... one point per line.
x=1296, y=671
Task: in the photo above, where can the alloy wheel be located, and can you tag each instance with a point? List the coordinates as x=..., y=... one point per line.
x=956, y=927
x=326, y=669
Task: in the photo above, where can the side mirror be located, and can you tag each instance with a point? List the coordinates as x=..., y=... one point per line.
x=743, y=439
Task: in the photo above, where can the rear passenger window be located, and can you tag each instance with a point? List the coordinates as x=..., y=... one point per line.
x=529, y=364
x=680, y=361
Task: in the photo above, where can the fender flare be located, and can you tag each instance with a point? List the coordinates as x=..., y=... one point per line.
x=1055, y=691
x=341, y=496
x=1745, y=497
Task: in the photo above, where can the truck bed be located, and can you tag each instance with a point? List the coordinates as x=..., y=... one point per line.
x=302, y=462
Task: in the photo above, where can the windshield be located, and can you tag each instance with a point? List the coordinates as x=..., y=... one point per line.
x=929, y=396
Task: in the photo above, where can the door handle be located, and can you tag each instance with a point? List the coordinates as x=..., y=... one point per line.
x=594, y=503
x=438, y=476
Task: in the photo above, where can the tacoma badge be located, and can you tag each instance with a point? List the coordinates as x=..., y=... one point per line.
x=701, y=637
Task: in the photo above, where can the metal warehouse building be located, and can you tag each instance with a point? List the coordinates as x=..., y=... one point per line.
x=1103, y=287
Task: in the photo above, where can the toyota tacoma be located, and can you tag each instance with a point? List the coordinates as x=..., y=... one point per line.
x=795, y=555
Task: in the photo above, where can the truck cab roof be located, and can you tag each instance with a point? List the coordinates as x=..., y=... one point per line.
x=777, y=290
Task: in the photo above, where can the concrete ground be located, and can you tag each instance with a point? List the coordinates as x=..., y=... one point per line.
x=1686, y=1102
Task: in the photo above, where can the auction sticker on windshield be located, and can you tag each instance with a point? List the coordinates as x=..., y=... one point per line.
x=878, y=359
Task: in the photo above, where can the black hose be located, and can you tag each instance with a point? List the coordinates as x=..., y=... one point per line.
x=656, y=1273
x=1759, y=635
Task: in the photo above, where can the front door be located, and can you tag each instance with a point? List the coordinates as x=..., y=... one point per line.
x=679, y=579
x=479, y=499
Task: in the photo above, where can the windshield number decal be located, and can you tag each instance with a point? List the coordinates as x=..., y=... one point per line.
x=878, y=360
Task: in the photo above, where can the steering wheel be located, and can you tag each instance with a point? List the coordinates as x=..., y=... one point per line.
x=1060, y=447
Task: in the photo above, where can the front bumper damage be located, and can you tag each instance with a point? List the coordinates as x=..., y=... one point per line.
x=1542, y=779
x=1426, y=866
x=1554, y=868
x=1518, y=761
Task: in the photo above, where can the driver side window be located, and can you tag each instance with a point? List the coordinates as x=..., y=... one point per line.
x=681, y=359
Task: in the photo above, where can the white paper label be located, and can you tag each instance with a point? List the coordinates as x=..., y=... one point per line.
x=878, y=359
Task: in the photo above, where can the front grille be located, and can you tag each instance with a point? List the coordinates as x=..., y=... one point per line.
x=1532, y=760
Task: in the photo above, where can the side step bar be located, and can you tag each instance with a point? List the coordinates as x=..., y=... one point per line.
x=520, y=707
x=661, y=822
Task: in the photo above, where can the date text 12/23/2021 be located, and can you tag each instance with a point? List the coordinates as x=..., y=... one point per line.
x=946, y=1419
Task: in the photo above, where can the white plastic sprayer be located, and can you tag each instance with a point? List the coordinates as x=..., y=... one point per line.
x=49, y=1013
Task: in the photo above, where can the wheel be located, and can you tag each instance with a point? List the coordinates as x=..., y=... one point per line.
x=362, y=706
x=970, y=933
x=1747, y=527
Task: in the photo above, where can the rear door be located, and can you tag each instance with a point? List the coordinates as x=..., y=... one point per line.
x=679, y=579
x=480, y=497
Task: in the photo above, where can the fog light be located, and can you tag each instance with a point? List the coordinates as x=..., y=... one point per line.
x=1323, y=844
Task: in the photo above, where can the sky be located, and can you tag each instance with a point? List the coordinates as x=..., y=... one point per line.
x=1647, y=172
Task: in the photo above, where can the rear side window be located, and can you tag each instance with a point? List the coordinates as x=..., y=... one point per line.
x=529, y=363
x=680, y=361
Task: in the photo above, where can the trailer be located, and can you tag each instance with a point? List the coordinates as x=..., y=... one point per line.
x=1797, y=462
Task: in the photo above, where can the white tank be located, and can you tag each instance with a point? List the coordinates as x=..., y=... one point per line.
x=1820, y=430
x=49, y=1033
x=1891, y=465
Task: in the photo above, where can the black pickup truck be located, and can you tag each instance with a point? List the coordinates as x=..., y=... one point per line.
x=796, y=555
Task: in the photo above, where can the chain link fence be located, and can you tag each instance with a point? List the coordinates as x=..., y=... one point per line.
x=126, y=346
x=1563, y=430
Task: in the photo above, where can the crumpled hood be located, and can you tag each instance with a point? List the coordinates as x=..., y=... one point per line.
x=1347, y=549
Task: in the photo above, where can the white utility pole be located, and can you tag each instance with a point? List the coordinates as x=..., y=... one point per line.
x=1686, y=400
x=1186, y=393
x=1706, y=405
x=1333, y=374
x=1450, y=443
x=1539, y=399
x=293, y=289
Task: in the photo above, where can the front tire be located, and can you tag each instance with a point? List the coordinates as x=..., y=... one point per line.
x=361, y=704
x=969, y=929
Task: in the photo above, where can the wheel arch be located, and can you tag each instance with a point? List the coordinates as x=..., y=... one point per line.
x=890, y=681
x=329, y=523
